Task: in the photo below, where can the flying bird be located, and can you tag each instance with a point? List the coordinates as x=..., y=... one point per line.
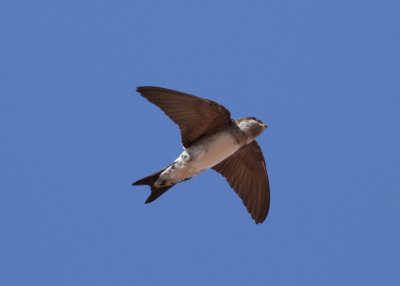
x=211, y=139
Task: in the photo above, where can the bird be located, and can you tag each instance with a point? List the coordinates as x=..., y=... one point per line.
x=212, y=140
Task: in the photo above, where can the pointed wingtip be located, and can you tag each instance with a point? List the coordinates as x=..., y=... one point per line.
x=141, y=89
x=261, y=218
x=137, y=183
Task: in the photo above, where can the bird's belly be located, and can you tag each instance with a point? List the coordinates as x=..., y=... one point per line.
x=211, y=150
x=202, y=155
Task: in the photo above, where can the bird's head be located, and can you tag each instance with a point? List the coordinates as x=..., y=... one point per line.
x=251, y=126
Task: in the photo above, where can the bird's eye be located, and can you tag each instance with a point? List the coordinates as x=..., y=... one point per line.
x=256, y=119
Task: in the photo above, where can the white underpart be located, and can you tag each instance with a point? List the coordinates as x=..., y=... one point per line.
x=202, y=155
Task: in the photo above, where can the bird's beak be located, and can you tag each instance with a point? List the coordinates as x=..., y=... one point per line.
x=264, y=126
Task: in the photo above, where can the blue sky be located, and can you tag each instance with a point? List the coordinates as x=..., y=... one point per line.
x=324, y=75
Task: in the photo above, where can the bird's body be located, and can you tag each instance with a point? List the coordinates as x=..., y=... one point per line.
x=211, y=139
x=203, y=154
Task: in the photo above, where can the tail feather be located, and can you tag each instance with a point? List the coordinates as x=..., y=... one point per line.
x=150, y=180
x=156, y=192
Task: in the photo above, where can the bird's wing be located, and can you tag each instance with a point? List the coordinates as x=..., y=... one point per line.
x=246, y=173
x=195, y=116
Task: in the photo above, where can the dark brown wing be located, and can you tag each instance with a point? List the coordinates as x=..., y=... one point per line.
x=246, y=173
x=195, y=116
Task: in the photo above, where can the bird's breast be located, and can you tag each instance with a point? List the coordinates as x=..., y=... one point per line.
x=212, y=149
x=205, y=153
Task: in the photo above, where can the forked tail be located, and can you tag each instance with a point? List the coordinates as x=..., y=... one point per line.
x=150, y=180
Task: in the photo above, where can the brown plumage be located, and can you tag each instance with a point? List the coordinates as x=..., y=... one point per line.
x=198, y=118
x=246, y=173
x=195, y=116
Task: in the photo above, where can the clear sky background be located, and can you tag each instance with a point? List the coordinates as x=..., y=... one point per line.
x=324, y=75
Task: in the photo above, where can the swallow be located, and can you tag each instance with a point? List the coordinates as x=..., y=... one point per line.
x=212, y=140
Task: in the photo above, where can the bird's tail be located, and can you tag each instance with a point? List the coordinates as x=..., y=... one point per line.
x=150, y=180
